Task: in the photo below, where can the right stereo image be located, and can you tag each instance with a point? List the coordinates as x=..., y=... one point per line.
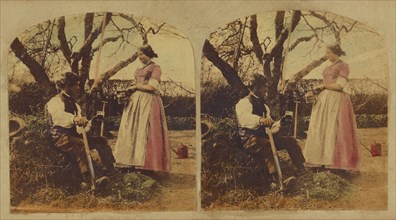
x=294, y=114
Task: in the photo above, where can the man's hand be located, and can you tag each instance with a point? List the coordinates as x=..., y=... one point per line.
x=80, y=121
x=266, y=121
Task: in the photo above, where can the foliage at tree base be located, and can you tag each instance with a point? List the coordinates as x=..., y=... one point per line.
x=231, y=177
x=34, y=164
x=41, y=175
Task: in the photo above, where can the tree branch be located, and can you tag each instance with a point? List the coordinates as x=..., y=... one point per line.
x=329, y=24
x=35, y=68
x=142, y=32
x=62, y=39
x=255, y=40
x=85, y=48
x=229, y=73
x=117, y=68
x=87, y=57
x=238, y=49
x=300, y=40
x=315, y=63
x=279, y=20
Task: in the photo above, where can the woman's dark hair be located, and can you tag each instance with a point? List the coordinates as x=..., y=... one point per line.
x=68, y=79
x=336, y=49
x=148, y=51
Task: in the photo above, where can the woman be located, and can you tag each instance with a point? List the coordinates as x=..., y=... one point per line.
x=332, y=133
x=142, y=138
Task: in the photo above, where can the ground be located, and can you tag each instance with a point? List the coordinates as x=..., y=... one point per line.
x=369, y=188
x=178, y=188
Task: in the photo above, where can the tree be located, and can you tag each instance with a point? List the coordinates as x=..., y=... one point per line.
x=224, y=49
x=47, y=48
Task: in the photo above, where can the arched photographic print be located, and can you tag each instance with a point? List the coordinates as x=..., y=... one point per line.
x=296, y=105
x=102, y=116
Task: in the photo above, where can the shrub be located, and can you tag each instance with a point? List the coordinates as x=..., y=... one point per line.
x=33, y=164
x=225, y=166
x=27, y=100
x=371, y=121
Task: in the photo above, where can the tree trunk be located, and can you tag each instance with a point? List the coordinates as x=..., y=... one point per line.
x=87, y=46
x=64, y=47
x=255, y=40
x=279, y=19
x=87, y=57
x=276, y=56
x=229, y=73
x=38, y=71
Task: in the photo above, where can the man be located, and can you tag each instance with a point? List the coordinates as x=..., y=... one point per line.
x=66, y=124
x=253, y=116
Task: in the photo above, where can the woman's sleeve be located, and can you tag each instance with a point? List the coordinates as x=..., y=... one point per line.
x=153, y=82
x=344, y=70
x=156, y=72
x=341, y=81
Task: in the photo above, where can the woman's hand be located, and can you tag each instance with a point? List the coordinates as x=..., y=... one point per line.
x=132, y=88
x=319, y=87
x=266, y=121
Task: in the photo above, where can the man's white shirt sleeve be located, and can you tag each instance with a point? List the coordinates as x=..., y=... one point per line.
x=245, y=116
x=56, y=108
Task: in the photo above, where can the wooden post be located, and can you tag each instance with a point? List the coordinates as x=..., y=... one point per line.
x=103, y=114
x=295, y=120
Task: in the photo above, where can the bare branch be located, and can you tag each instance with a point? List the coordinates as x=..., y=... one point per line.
x=155, y=31
x=90, y=39
x=118, y=67
x=107, y=40
x=300, y=40
x=238, y=48
x=229, y=73
x=181, y=87
x=137, y=25
x=377, y=84
x=38, y=71
x=255, y=40
x=62, y=39
x=279, y=19
x=329, y=24
x=315, y=63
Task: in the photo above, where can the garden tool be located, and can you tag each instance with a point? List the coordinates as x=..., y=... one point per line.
x=276, y=159
x=89, y=159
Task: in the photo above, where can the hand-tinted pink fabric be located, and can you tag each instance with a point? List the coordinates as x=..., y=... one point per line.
x=150, y=71
x=156, y=154
x=339, y=140
x=158, y=150
x=346, y=153
x=331, y=73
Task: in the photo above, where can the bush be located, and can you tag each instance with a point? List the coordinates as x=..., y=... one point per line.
x=218, y=99
x=33, y=164
x=27, y=100
x=225, y=165
x=371, y=121
x=181, y=123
